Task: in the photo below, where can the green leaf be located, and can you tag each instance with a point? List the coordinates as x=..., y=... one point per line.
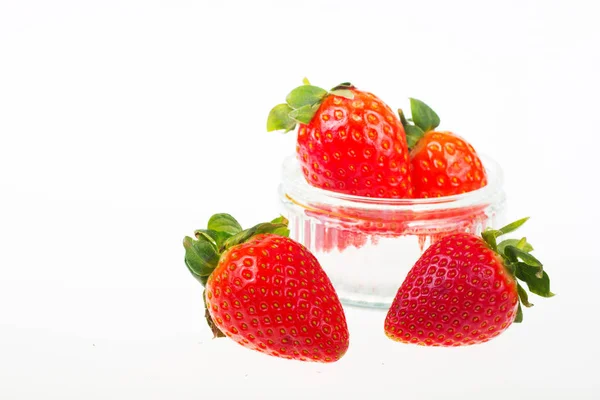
x=202, y=279
x=342, y=86
x=537, y=280
x=523, y=296
x=519, y=316
x=206, y=234
x=424, y=117
x=305, y=95
x=533, y=269
x=413, y=135
x=413, y=132
x=489, y=236
x=279, y=119
x=304, y=114
x=513, y=253
x=510, y=266
x=510, y=255
x=345, y=93
x=402, y=118
x=213, y=327
x=280, y=229
x=215, y=237
x=520, y=244
x=280, y=220
x=201, y=257
x=224, y=223
x=513, y=226
x=305, y=81
x=283, y=230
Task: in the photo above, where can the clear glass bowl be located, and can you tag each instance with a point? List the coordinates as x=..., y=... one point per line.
x=368, y=245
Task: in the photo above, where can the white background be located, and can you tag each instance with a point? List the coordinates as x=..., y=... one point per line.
x=125, y=124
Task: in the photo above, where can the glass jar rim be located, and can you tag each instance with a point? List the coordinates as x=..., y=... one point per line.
x=296, y=189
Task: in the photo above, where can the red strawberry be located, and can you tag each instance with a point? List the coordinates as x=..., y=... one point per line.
x=464, y=290
x=266, y=291
x=349, y=141
x=442, y=163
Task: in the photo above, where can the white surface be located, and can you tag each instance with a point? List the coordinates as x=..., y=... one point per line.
x=125, y=124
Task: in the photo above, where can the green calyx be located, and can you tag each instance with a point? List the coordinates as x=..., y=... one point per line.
x=223, y=232
x=520, y=264
x=423, y=119
x=301, y=105
x=202, y=254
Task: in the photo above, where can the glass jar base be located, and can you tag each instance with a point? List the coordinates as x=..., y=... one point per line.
x=367, y=269
x=367, y=246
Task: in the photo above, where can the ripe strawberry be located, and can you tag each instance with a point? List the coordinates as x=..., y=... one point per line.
x=464, y=290
x=442, y=163
x=349, y=141
x=266, y=291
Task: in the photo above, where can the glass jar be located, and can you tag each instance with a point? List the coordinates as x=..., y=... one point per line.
x=367, y=245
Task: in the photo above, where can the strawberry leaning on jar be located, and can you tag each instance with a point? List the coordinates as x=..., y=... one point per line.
x=465, y=290
x=266, y=291
x=442, y=163
x=349, y=141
